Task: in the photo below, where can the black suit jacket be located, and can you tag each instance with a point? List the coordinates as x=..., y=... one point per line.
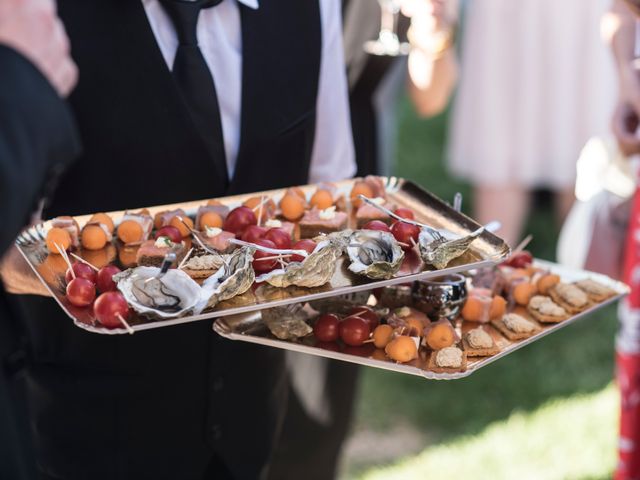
x=37, y=139
x=167, y=403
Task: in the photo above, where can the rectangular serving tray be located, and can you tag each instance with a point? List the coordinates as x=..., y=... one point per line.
x=487, y=249
x=249, y=328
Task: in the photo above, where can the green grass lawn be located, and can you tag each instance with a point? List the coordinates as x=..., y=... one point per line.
x=556, y=390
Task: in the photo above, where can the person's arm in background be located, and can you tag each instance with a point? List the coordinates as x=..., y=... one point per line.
x=433, y=66
x=37, y=133
x=333, y=156
x=619, y=28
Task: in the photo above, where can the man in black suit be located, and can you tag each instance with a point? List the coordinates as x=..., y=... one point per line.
x=179, y=101
x=37, y=138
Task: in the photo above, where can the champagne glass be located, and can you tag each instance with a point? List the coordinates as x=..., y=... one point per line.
x=388, y=42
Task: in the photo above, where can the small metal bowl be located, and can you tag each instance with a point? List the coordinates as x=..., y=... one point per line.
x=440, y=297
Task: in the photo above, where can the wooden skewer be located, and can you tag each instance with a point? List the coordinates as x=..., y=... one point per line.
x=368, y=341
x=523, y=244
x=64, y=256
x=186, y=257
x=275, y=257
x=260, y=210
x=130, y=330
x=80, y=259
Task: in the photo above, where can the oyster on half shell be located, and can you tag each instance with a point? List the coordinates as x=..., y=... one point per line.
x=173, y=295
x=317, y=269
x=374, y=254
x=233, y=278
x=288, y=322
x=439, y=253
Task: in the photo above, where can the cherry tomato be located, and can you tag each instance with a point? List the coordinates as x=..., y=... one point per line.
x=109, y=307
x=326, y=328
x=376, y=225
x=280, y=237
x=406, y=234
x=172, y=232
x=81, y=270
x=81, y=292
x=104, y=279
x=404, y=213
x=264, y=266
x=253, y=233
x=354, y=331
x=367, y=314
x=306, y=244
x=239, y=219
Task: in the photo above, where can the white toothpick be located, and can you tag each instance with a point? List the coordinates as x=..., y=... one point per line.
x=185, y=259
x=130, y=330
x=64, y=256
x=262, y=200
x=80, y=259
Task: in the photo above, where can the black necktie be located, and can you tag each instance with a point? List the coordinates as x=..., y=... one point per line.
x=194, y=79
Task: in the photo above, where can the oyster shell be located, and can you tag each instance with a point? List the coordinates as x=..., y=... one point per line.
x=374, y=254
x=288, y=322
x=439, y=253
x=233, y=278
x=173, y=295
x=317, y=269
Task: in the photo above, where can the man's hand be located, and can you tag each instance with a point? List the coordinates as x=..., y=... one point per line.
x=17, y=276
x=32, y=28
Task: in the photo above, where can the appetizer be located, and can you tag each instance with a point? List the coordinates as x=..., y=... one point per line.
x=293, y=204
x=482, y=307
x=211, y=216
x=65, y=232
x=478, y=343
x=135, y=228
x=448, y=360
x=515, y=327
x=402, y=349
x=152, y=252
x=596, y=292
x=316, y=222
x=570, y=297
x=374, y=254
x=440, y=334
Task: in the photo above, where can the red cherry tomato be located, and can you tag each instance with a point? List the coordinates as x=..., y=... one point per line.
x=264, y=266
x=172, y=232
x=253, y=233
x=520, y=260
x=81, y=292
x=406, y=234
x=109, y=307
x=81, y=270
x=104, y=279
x=280, y=237
x=326, y=328
x=376, y=225
x=367, y=314
x=308, y=245
x=404, y=213
x=354, y=331
x=239, y=219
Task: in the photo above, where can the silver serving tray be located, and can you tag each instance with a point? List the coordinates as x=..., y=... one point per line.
x=247, y=328
x=487, y=249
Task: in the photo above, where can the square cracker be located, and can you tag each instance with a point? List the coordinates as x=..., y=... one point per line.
x=502, y=328
x=479, y=352
x=605, y=293
x=434, y=368
x=547, y=318
x=567, y=306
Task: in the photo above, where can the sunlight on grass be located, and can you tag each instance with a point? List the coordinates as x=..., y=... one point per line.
x=571, y=438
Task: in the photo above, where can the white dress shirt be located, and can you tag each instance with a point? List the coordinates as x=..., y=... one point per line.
x=220, y=39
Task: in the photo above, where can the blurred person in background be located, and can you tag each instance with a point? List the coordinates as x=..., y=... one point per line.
x=536, y=83
x=624, y=38
x=322, y=391
x=376, y=82
x=37, y=139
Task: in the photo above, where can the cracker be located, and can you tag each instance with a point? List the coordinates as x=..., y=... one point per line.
x=546, y=318
x=434, y=368
x=564, y=304
x=502, y=328
x=479, y=352
x=605, y=293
